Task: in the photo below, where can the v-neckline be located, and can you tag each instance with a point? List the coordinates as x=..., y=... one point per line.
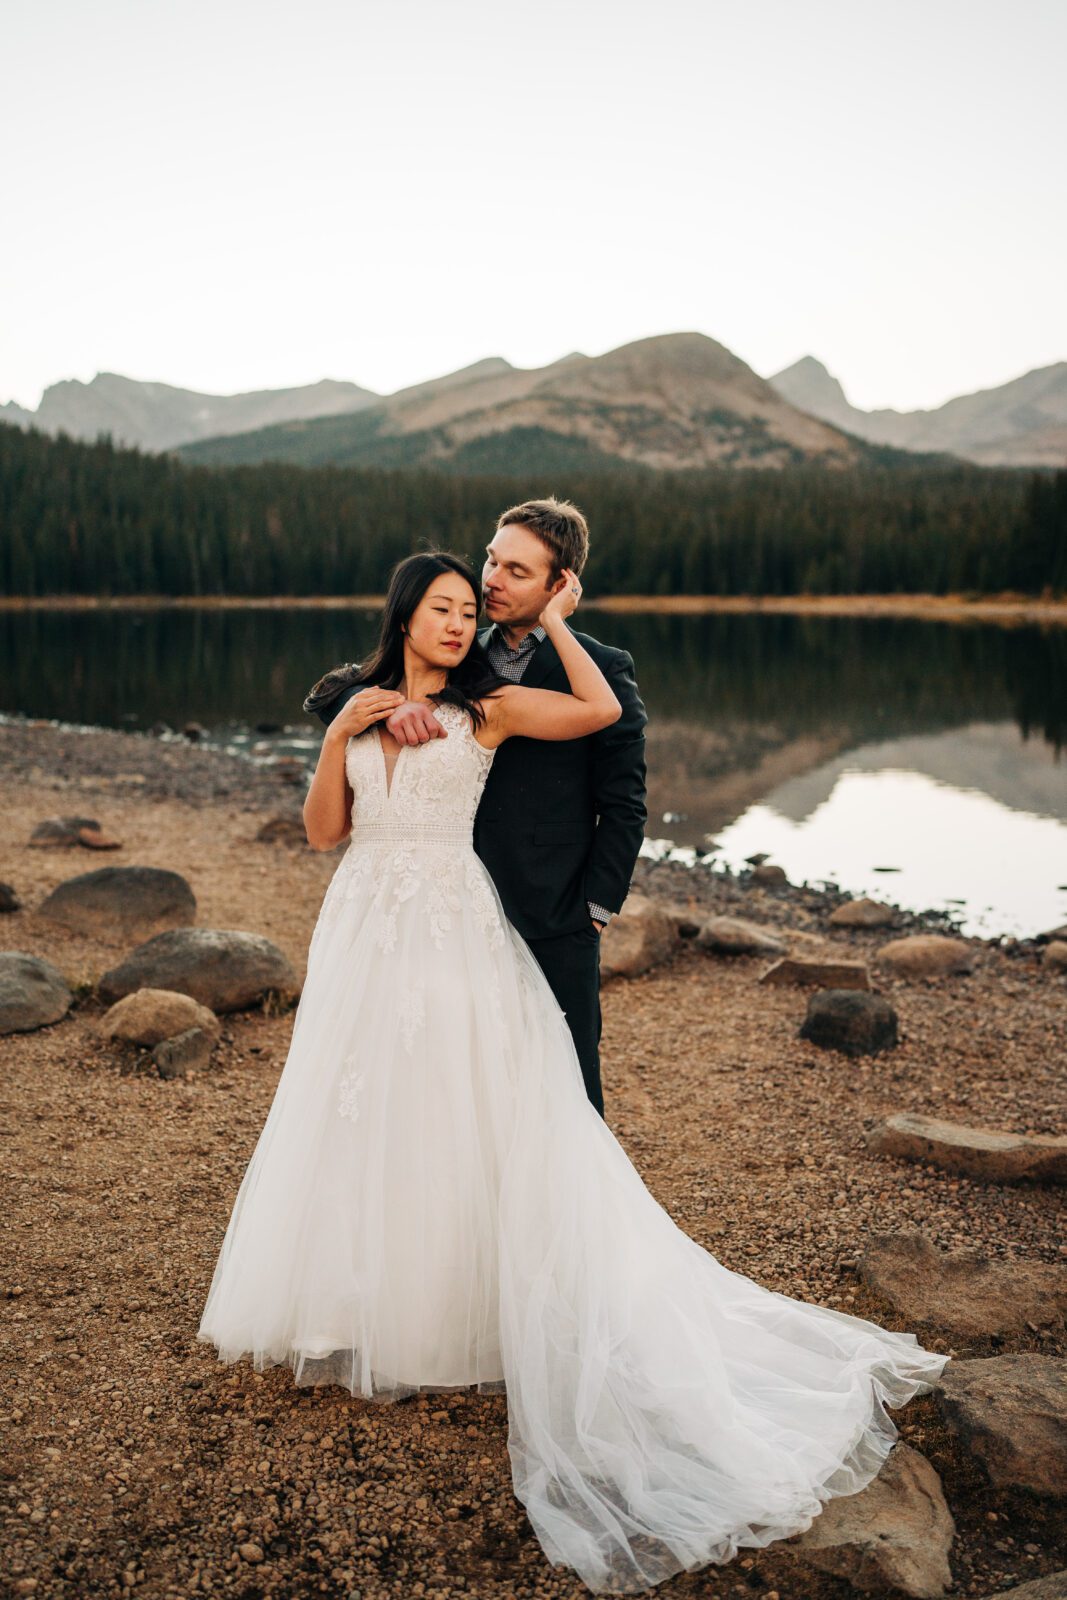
x=388, y=778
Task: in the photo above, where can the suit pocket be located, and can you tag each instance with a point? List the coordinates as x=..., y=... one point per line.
x=559, y=833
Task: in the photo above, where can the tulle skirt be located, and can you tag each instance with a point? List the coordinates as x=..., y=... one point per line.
x=433, y=1203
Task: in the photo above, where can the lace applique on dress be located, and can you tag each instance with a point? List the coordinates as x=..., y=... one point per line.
x=349, y=1087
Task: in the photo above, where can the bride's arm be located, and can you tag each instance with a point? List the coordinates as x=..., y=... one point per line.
x=328, y=807
x=545, y=713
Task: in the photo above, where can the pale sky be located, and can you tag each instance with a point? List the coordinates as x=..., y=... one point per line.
x=246, y=194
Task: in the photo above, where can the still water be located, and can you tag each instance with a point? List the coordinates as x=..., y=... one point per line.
x=921, y=763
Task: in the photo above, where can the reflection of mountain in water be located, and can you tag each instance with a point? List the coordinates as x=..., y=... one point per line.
x=986, y=758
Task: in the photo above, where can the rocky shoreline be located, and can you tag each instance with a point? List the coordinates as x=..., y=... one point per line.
x=137, y=1463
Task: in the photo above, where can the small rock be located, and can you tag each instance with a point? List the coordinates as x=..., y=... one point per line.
x=640, y=937
x=289, y=768
x=961, y=1292
x=1056, y=955
x=735, y=936
x=862, y=913
x=687, y=921
x=186, y=1052
x=9, y=900
x=284, y=830
x=828, y=974
x=129, y=901
x=33, y=992
x=850, y=1020
x=250, y=1552
x=149, y=1016
x=1051, y=1587
x=768, y=872
x=61, y=831
x=894, y=1534
x=981, y=1153
x=95, y=839
x=926, y=955
x=1010, y=1412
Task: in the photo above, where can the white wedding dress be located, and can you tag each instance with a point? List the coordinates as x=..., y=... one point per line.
x=434, y=1203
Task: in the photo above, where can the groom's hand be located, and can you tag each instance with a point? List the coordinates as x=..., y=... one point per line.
x=414, y=723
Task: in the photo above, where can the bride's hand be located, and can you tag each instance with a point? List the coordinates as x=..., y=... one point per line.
x=368, y=706
x=565, y=598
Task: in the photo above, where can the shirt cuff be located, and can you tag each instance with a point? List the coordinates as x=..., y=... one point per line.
x=598, y=913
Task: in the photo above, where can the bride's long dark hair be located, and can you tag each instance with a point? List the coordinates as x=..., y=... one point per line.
x=467, y=682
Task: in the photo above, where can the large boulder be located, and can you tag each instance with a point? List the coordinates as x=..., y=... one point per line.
x=894, y=1534
x=131, y=902
x=1011, y=1413
x=926, y=955
x=850, y=1020
x=225, y=969
x=810, y=969
x=981, y=1153
x=33, y=992
x=150, y=1015
x=862, y=913
x=962, y=1293
x=736, y=936
x=642, y=936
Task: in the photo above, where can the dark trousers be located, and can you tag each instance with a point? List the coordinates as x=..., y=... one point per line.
x=571, y=963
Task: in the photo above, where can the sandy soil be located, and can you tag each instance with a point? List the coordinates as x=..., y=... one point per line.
x=135, y=1461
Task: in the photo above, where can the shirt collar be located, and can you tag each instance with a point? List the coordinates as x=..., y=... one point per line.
x=530, y=640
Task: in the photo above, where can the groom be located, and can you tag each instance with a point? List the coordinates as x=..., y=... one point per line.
x=560, y=824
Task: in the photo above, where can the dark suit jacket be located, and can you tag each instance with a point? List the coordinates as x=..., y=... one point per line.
x=561, y=821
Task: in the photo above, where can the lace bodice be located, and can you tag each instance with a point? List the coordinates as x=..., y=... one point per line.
x=434, y=785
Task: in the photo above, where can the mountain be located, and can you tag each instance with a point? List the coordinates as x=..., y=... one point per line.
x=156, y=416
x=679, y=400
x=1018, y=424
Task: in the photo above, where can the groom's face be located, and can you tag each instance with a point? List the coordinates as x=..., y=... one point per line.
x=517, y=578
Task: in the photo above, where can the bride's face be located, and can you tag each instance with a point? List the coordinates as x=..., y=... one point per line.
x=442, y=626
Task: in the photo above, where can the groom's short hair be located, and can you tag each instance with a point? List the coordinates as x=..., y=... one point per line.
x=559, y=525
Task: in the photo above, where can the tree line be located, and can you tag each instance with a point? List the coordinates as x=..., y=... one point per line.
x=97, y=519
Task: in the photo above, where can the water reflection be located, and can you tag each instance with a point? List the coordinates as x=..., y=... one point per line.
x=830, y=743
x=958, y=850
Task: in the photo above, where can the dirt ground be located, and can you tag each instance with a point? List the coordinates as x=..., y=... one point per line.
x=134, y=1461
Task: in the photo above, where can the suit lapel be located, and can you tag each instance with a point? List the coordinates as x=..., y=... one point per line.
x=541, y=663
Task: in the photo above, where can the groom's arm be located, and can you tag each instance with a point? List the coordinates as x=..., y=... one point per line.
x=327, y=713
x=618, y=774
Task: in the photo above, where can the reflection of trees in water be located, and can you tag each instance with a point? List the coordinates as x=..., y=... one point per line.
x=879, y=675
x=783, y=674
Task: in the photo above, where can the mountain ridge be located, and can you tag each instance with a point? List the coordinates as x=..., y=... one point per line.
x=1021, y=423
x=672, y=401
x=676, y=400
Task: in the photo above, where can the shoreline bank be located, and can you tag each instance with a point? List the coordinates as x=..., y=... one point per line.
x=923, y=607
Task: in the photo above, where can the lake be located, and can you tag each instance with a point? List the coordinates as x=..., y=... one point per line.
x=922, y=763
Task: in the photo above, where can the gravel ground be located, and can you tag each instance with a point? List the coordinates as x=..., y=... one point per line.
x=133, y=1460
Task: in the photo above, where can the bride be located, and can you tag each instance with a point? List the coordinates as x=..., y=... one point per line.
x=434, y=1203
